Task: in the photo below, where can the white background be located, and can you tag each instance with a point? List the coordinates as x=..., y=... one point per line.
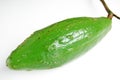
x=20, y=18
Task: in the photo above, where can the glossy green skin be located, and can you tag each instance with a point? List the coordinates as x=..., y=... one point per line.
x=59, y=43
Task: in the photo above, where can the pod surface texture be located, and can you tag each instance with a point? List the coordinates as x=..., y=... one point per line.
x=59, y=43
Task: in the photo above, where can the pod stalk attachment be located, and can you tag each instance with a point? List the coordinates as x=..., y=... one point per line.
x=110, y=13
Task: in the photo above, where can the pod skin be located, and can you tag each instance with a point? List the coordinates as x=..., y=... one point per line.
x=59, y=43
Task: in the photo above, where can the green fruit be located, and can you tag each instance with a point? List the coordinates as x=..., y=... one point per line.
x=59, y=43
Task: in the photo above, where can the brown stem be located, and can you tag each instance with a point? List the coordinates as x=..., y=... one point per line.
x=110, y=13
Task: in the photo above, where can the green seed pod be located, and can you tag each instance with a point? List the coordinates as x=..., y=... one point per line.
x=60, y=43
